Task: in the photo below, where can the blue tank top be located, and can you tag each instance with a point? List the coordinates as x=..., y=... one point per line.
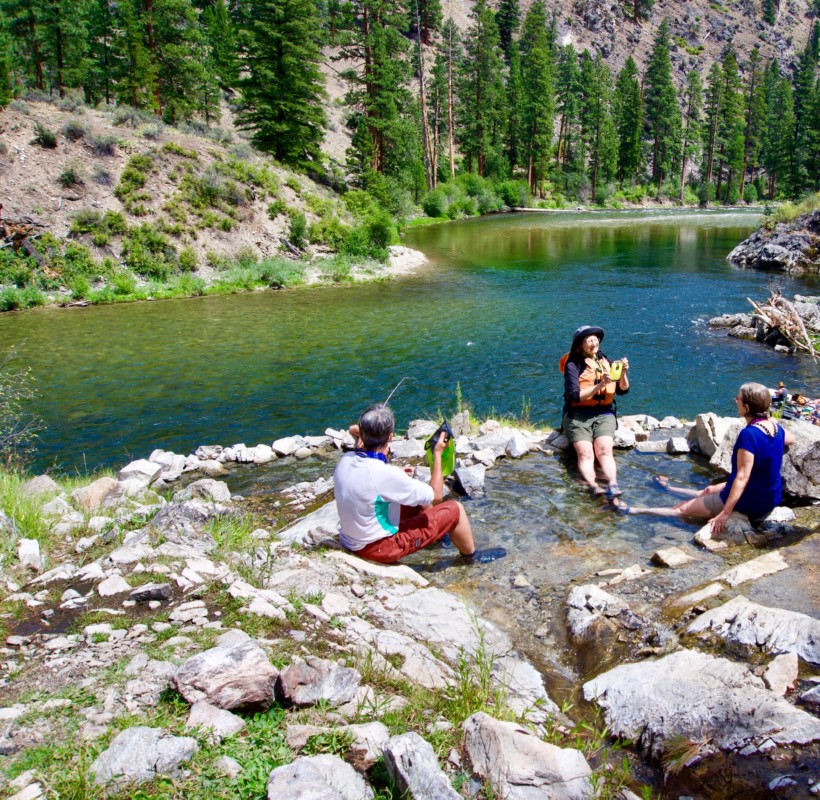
x=765, y=488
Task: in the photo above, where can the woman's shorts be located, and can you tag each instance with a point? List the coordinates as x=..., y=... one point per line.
x=713, y=503
x=587, y=426
x=415, y=532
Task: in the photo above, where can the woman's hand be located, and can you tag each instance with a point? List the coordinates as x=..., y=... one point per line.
x=719, y=522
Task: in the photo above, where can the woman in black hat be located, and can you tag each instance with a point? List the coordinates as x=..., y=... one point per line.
x=590, y=386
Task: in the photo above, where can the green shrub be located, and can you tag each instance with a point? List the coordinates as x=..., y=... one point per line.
x=488, y=201
x=10, y=299
x=132, y=179
x=77, y=260
x=371, y=239
x=123, y=283
x=148, y=252
x=337, y=268
x=190, y=285
x=279, y=272
x=102, y=144
x=321, y=206
x=79, y=287
x=127, y=115
x=471, y=183
x=74, y=130
x=188, y=259
x=733, y=195
x=298, y=229
x=31, y=297
x=435, y=203
x=706, y=194
x=178, y=150
x=44, y=137
x=276, y=208
x=71, y=176
x=86, y=220
x=247, y=257
x=360, y=203
x=292, y=182
x=329, y=231
x=514, y=194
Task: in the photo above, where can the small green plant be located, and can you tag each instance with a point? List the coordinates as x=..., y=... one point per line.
x=297, y=233
x=19, y=429
x=74, y=130
x=179, y=150
x=187, y=259
x=44, y=137
x=276, y=208
x=101, y=144
x=334, y=741
x=71, y=176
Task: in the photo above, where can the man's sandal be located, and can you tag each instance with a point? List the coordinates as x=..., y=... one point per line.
x=617, y=505
x=613, y=490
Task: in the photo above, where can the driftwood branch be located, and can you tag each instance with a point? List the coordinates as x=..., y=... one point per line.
x=780, y=314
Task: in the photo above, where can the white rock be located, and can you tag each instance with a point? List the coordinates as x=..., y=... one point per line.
x=671, y=557
x=28, y=552
x=759, y=567
x=116, y=584
x=143, y=470
x=517, y=446
x=286, y=446
x=781, y=673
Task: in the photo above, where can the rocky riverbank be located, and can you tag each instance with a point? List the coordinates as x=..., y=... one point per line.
x=788, y=247
x=155, y=635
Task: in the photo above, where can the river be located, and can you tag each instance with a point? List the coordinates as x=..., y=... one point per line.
x=491, y=313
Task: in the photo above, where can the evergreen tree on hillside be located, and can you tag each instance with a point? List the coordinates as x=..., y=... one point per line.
x=135, y=70
x=6, y=86
x=692, y=109
x=597, y=125
x=221, y=36
x=812, y=145
x=770, y=8
x=628, y=113
x=416, y=9
x=515, y=103
x=101, y=56
x=447, y=65
x=507, y=17
x=639, y=9
x=730, y=130
x=538, y=94
x=714, y=86
x=283, y=88
x=754, y=116
x=568, y=104
x=23, y=20
x=662, y=110
x=481, y=96
x=778, y=141
x=804, y=88
x=425, y=19
x=62, y=25
x=372, y=39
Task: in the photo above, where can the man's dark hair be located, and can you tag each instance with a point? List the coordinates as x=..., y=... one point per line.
x=375, y=426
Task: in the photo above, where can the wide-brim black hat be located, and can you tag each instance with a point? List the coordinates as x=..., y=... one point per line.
x=584, y=331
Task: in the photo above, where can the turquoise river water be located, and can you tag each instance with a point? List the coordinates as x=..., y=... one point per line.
x=492, y=312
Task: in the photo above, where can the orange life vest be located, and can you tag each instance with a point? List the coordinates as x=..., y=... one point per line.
x=592, y=373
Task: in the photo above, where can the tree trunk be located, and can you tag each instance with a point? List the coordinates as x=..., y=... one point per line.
x=450, y=137
x=425, y=130
x=35, y=51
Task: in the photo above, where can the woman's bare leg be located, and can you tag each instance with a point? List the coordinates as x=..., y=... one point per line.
x=603, y=452
x=586, y=463
x=694, y=507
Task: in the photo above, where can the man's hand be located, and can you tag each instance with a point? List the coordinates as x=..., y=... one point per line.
x=441, y=443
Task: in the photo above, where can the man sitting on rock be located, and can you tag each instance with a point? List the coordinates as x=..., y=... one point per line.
x=385, y=514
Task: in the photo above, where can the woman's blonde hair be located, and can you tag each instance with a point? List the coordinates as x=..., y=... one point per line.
x=756, y=396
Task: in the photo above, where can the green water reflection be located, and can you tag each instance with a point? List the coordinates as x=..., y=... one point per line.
x=492, y=311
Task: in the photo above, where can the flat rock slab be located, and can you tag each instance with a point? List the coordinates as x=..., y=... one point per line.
x=691, y=599
x=305, y=683
x=415, y=770
x=671, y=557
x=774, y=630
x=396, y=572
x=141, y=754
x=758, y=567
x=699, y=697
x=228, y=677
x=320, y=525
x=324, y=777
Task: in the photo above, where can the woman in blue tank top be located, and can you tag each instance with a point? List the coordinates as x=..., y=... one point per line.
x=754, y=486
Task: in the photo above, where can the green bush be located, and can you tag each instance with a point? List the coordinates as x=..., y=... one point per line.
x=31, y=296
x=280, y=272
x=298, y=229
x=123, y=283
x=435, y=203
x=337, y=268
x=188, y=259
x=733, y=195
x=360, y=203
x=10, y=299
x=471, y=183
x=148, y=252
x=71, y=176
x=74, y=130
x=372, y=238
x=132, y=179
x=488, y=201
x=514, y=194
x=102, y=144
x=706, y=193
x=44, y=137
x=276, y=208
x=190, y=285
x=77, y=260
x=79, y=287
x=178, y=150
x=329, y=231
x=247, y=257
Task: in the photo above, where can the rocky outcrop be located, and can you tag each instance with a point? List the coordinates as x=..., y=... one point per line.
x=791, y=247
x=712, y=702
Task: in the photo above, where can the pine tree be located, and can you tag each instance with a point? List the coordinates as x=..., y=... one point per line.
x=640, y=9
x=98, y=76
x=803, y=89
x=515, y=103
x=770, y=8
x=427, y=144
x=812, y=141
x=425, y=19
x=23, y=19
x=568, y=103
x=714, y=87
x=538, y=93
x=508, y=17
x=597, y=126
x=778, y=143
x=373, y=41
x=221, y=36
x=662, y=110
x=6, y=86
x=755, y=116
x=283, y=88
x=730, y=128
x=693, y=106
x=135, y=71
x=447, y=65
x=628, y=112
x=62, y=26
x=481, y=96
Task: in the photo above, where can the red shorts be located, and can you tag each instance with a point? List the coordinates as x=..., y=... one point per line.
x=417, y=529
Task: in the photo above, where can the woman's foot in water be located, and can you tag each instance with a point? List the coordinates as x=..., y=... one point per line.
x=620, y=506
